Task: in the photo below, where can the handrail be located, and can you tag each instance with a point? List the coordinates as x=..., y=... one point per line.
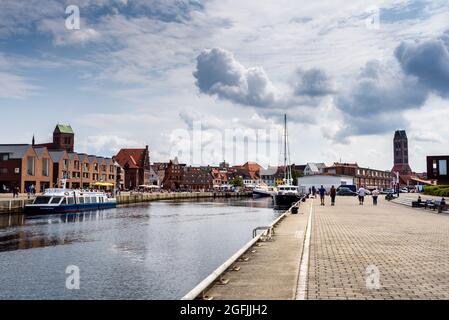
x=209, y=280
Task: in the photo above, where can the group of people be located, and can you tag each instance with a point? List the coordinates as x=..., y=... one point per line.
x=361, y=193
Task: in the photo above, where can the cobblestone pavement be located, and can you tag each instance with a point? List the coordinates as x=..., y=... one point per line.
x=409, y=247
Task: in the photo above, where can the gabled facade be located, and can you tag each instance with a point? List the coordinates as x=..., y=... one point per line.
x=136, y=164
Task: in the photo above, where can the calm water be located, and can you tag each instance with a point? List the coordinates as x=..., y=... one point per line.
x=159, y=250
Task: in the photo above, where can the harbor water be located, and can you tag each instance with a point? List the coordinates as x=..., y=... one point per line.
x=159, y=250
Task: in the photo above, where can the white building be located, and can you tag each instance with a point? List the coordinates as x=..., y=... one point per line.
x=314, y=168
x=327, y=181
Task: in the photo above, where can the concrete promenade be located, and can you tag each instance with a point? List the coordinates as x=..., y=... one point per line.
x=389, y=251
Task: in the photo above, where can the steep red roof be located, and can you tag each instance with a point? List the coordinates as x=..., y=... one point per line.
x=134, y=157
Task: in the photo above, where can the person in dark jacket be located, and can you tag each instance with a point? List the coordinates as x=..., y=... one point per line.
x=333, y=194
x=322, y=192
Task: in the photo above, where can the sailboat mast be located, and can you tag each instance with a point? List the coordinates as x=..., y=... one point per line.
x=285, y=148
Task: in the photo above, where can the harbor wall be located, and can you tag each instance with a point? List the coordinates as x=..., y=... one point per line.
x=18, y=205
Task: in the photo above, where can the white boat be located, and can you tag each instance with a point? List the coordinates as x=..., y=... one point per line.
x=61, y=200
x=263, y=191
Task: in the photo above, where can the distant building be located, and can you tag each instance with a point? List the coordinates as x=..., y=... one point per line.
x=437, y=169
x=174, y=175
x=314, y=168
x=400, y=149
x=136, y=164
x=249, y=172
x=366, y=177
x=63, y=139
x=196, y=178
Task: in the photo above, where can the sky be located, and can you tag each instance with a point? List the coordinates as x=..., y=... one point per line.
x=211, y=80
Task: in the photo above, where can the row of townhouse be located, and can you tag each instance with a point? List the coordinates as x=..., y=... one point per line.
x=25, y=165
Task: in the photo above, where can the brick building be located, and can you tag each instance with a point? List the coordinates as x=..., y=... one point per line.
x=197, y=178
x=22, y=166
x=366, y=177
x=48, y=164
x=174, y=175
x=136, y=166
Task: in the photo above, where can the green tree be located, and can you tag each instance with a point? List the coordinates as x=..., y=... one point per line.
x=237, y=182
x=295, y=175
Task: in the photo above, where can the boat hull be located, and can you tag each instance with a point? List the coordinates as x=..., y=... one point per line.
x=285, y=201
x=261, y=194
x=71, y=208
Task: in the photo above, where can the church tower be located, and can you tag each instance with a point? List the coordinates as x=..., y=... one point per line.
x=63, y=138
x=400, y=149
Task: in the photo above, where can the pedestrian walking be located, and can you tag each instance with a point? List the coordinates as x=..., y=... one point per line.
x=361, y=192
x=333, y=194
x=314, y=191
x=322, y=192
x=375, y=195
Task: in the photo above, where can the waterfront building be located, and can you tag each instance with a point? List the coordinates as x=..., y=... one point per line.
x=220, y=177
x=312, y=168
x=437, y=169
x=173, y=177
x=136, y=164
x=23, y=166
x=249, y=172
x=196, y=178
x=48, y=164
x=366, y=177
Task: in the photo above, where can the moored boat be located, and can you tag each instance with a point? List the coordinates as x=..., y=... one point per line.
x=61, y=200
x=287, y=194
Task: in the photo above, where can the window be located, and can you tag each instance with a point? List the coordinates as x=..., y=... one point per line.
x=66, y=163
x=93, y=200
x=76, y=165
x=4, y=157
x=103, y=168
x=96, y=167
x=41, y=200
x=111, y=168
x=80, y=200
x=3, y=170
x=70, y=200
x=87, y=200
x=31, y=165
x=434, y=167
x=442, y=167
x=45, y=167
x=56, y=200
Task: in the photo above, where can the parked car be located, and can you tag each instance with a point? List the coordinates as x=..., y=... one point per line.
x=387, y=191
x=343, y=191
x=351, y=187
x=404, y=190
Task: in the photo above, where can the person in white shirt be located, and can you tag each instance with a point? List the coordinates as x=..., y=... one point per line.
x=375, y=194
x=361, y=194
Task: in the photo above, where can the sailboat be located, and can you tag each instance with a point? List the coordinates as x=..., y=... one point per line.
x=287, y=193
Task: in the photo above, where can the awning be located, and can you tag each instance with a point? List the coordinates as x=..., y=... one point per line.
x=103, y=184
x=149, y=186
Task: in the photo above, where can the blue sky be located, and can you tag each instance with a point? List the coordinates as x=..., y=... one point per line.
x=139, y=72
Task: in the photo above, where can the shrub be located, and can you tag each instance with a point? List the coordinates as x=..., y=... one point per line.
x=441, y=191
